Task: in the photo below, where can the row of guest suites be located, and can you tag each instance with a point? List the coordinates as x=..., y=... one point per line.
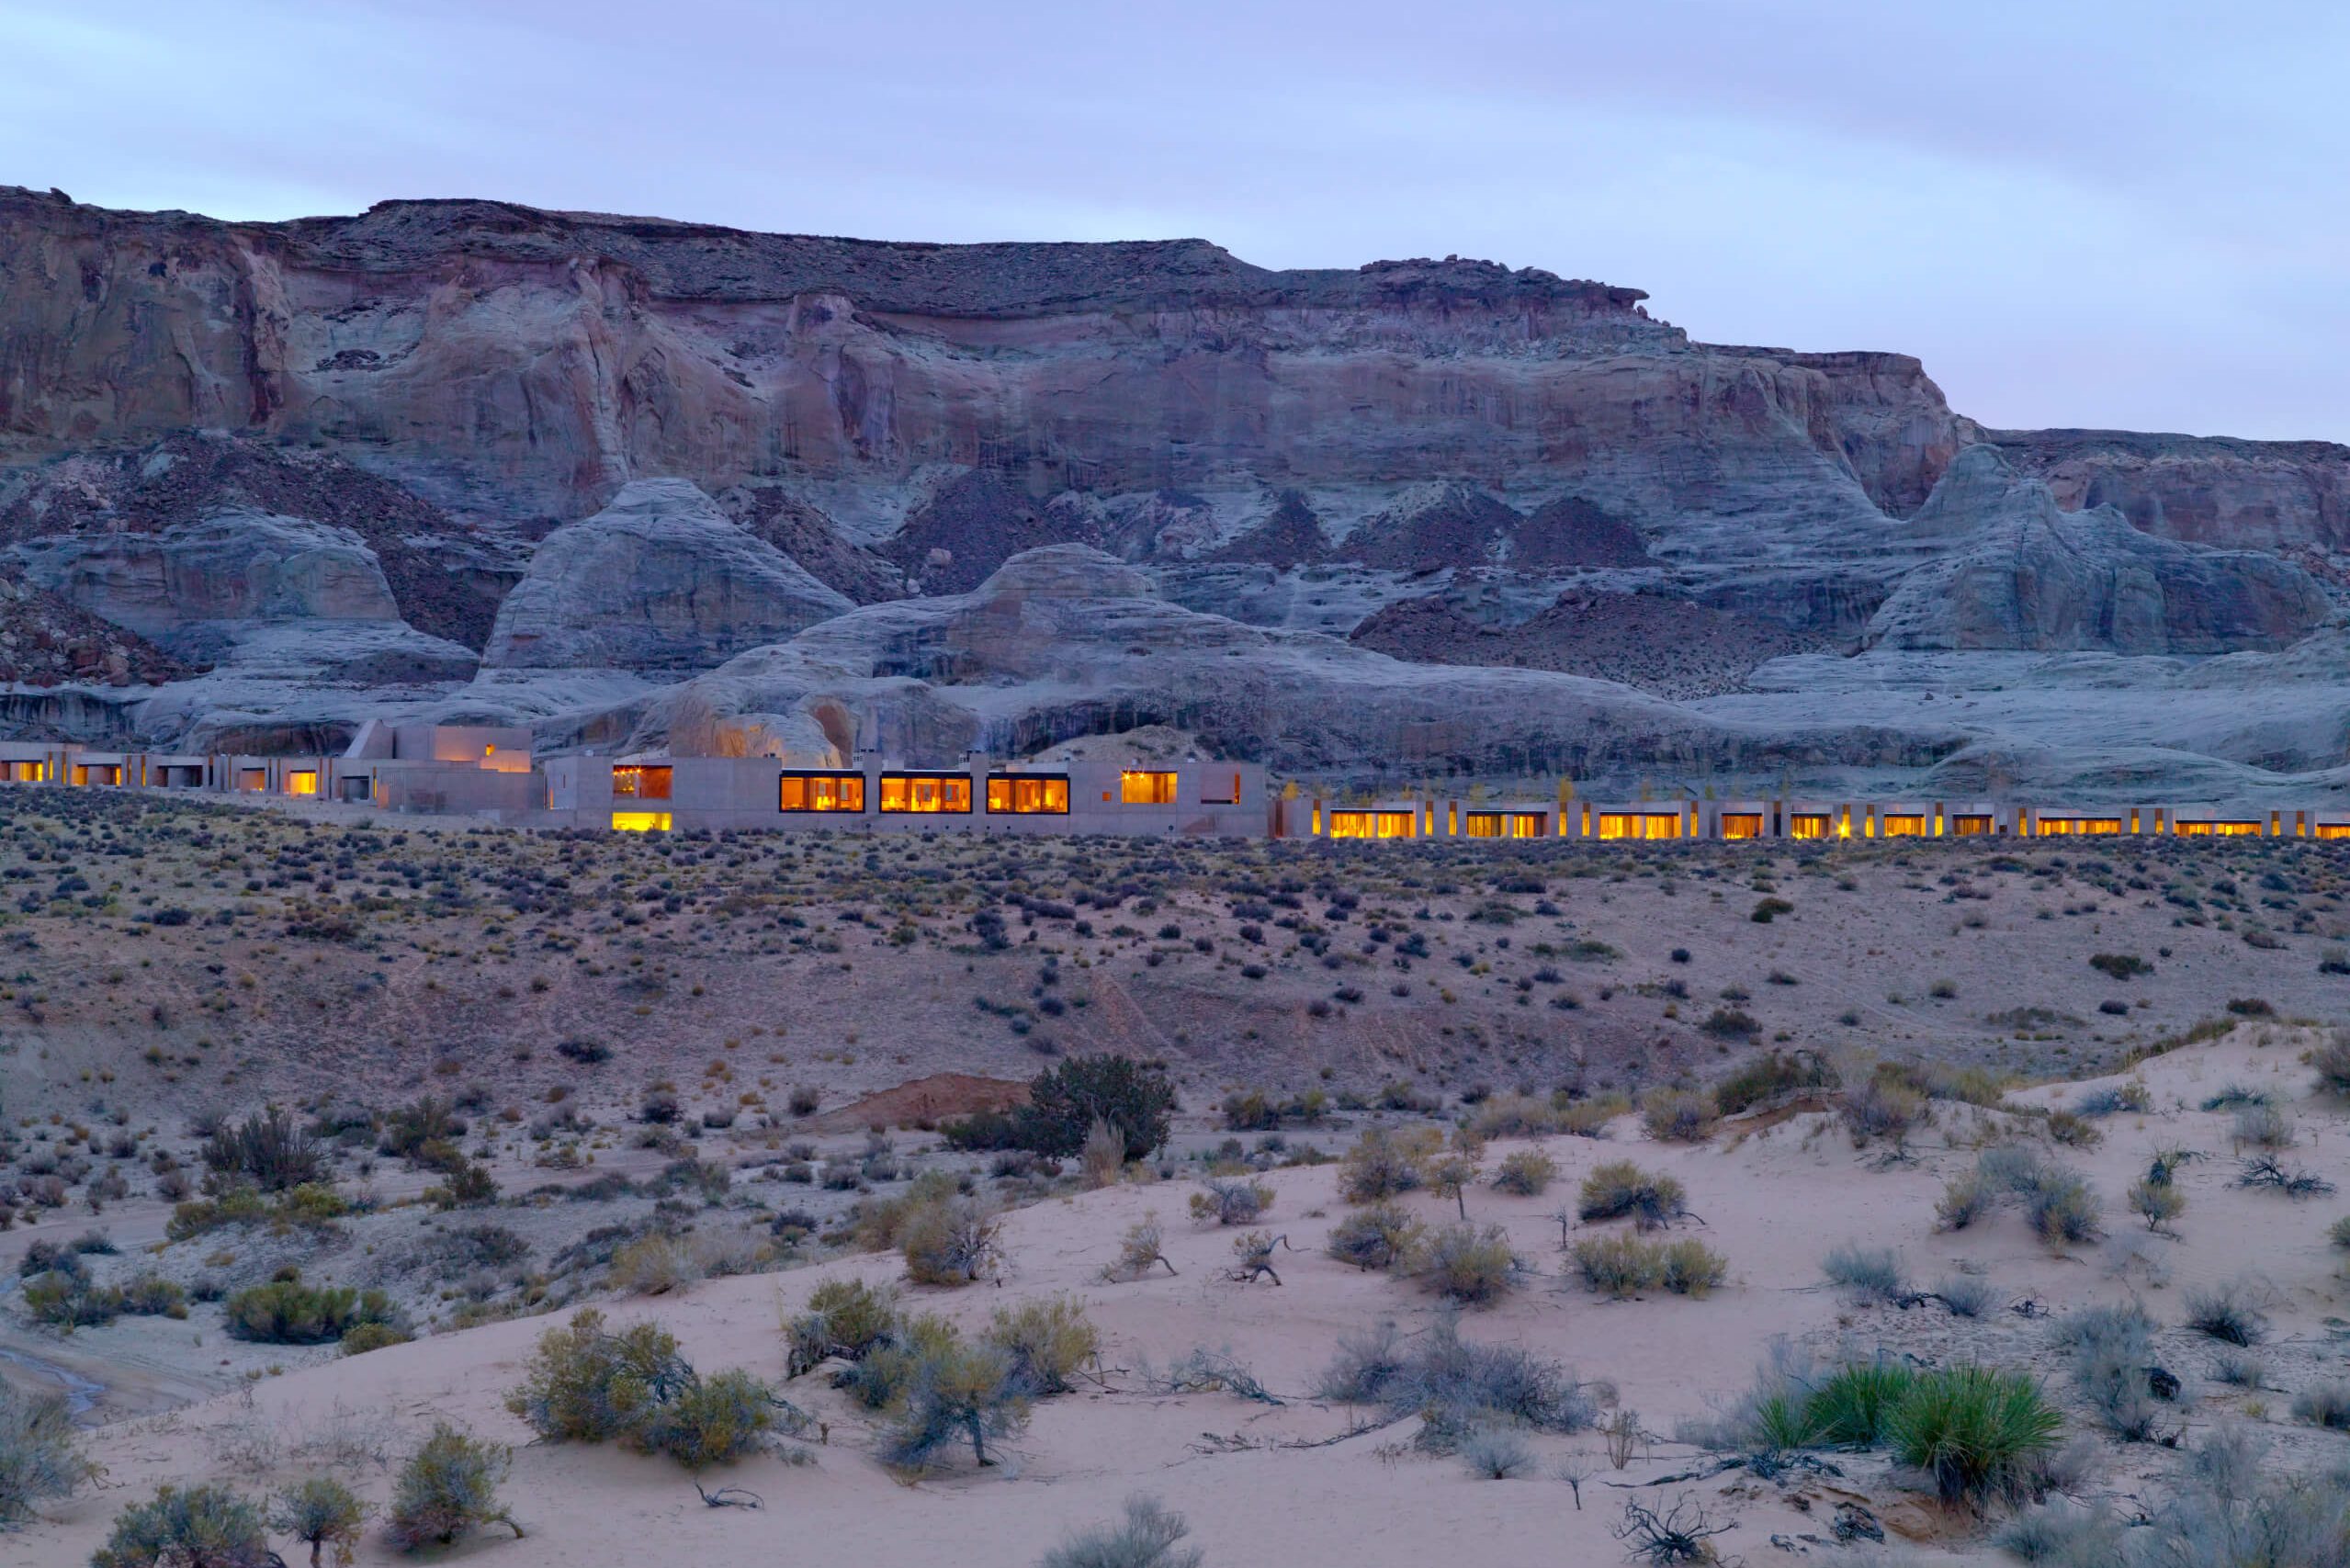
x=489, y=774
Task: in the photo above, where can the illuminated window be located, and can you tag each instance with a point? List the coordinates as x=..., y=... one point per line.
x=2218, y=830
x=1639, y=825
x=640, y=821
x=820, y=792
x=302, y=781
x=1526, y=824
x=634, y=782
x=1020, y=795
x=1483, y=824
x=1893, y=825
x=1219, y=788
x=1742, y=825
x=1808, y=825
x=1372, y=824
x=925, y=793
x=2067, y=826
x=1970, y=827
x=1147, y=789
x=2333, y=830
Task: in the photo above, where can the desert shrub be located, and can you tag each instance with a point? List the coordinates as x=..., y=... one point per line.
x=1379, y=1237
x=1457, y=1386
x=2062, y=1209
x=846, y=1318
x=1974, y=1431
x=1590, y=1118
x=449, y=1488
x=368, y=1337
x=1525, y=1173
x=950, y=1392
x=1870, y=1273
x=1966, y=1296
x=2131, y=1095
x=2063, y=1534
x=408, y=1131
x=40, y=1455
x=1679, y=1116
x=237, y=1206
x=1065, y=1099
x=1514, y=1116
x=1149, y=1535
x=1880, y=1108
x=1731, y=1023
x=1384, y=1163
x=1693, y=1268
x=2119, y=965
x=1768, y=909
x=1140, y=1250
x=1230, y=1201
x=2332, y=1060
x=1776, y=1076
x=2326, y=1405
x=268, y=1150
x=1965, y=1198
x=1618, y=1264
x=2263, y=1127
x=2230, y=1314
x=655, y=1265
x=1103, y=1155
x=2157, y=1204
x=2338, y=1233
x=2111, y=1349
x=2238, y=1369
x=287, y=1312
x=1464, y=1263
x=320, y=1513
x=586, y=1384
x=952, y=1243
x=708, y=1420
x=2073, y=1130
x=2267, y=1170
x=1496, y=1453
x=1620, y=1188
x=197, y=1527
x=1046, y=1342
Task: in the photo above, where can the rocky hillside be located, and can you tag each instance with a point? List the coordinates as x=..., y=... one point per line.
x=468, y=458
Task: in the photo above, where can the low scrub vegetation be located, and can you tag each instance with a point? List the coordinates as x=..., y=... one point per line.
x=40, y=1455
x=1456, y=1386
x=1624, y=1265
x=448, y=1488
x=286, y=1311
x=586, y=1384
x=2056, y=1200
x=1618, y=1188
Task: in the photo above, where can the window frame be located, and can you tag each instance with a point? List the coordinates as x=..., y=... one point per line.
x=809, y=776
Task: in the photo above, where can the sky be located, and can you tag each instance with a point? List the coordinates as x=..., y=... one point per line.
x=2074, y=212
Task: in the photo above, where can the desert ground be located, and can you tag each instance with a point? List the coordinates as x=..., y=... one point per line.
x=689, y=1081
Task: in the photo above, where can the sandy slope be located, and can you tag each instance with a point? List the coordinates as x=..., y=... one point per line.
x=1774, y=1198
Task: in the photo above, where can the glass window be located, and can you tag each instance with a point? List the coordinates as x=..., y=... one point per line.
x=1021, y=794
x=820, y=792
x=1147, y=789
x=1807, y=824
x=640, y=821
x=1374, y=824
x=640, y=783
x=1482, y=824
x=1970, y=827
x=302, y=781
x=253, y=778
x=1219, y=788
x=1742, y=825
x=1900, y=825
x=1526, y=824
x=925, y=793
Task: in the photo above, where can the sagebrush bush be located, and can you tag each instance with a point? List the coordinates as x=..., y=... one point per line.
x=1870, y=1273
x=1149, y=1535
x=708, y=1420
x=1527, y=1173
x=2263, y=1127
x=1693, y=1268
x=1464, y=1263
x=1776, y=1075
x=2332, y=1060
x=322, y=1514
x=2324, y=1404
x=655, y=1265
x=1385, y=1163
x=1620, y=1188
x=267, y=1149
x=1514, y=1116
x=287, y=1312
x=1046, y=1341
x=1379, y=1237
x=2062, y=1209
x=954, y=1243
x=2230, y=1314
x=1883, y=1108
x=586, y=1384
x=2111, y=1349
x=1140, y=1250
x=1678, y=1115
x=2158, y=1203
x=1456, y=1385
x=847, y=1318
x=40, y=1455
x=195, y=1526
x=1496, y=1453
x=1231, y=1200
x=449, y=1488
x=948, y=1391
x=1619, y=1264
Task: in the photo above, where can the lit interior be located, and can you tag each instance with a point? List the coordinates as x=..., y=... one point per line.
x=1808, y=825
x=1966, y=827
x=821, y=792
x=1484, y=824
x=1022, y=796
x=634, y=782
x=2332, y=830
x=1901, y=825
x=925, y=793
x=1146, y=788
x=640, y=821
x=1372, y=824
x=2073, y=827
x=302, y=781
x=2214, y=829
x=1639, y=825
x=1742, y=825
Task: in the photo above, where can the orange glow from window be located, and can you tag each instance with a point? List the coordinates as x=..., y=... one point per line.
x=1902, y=826
x=1808, y=825
x=1145, y=788
x=302, y=781
x=1374, y=824
x=640, y=821
x=1742, y=825
x=1017, y=796
x=925, y=793
x=2075, y=827
x=2215, y=829
x=634, y=782
x=820, y=792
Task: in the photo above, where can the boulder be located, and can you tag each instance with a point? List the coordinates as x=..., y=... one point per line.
x=659, y=579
